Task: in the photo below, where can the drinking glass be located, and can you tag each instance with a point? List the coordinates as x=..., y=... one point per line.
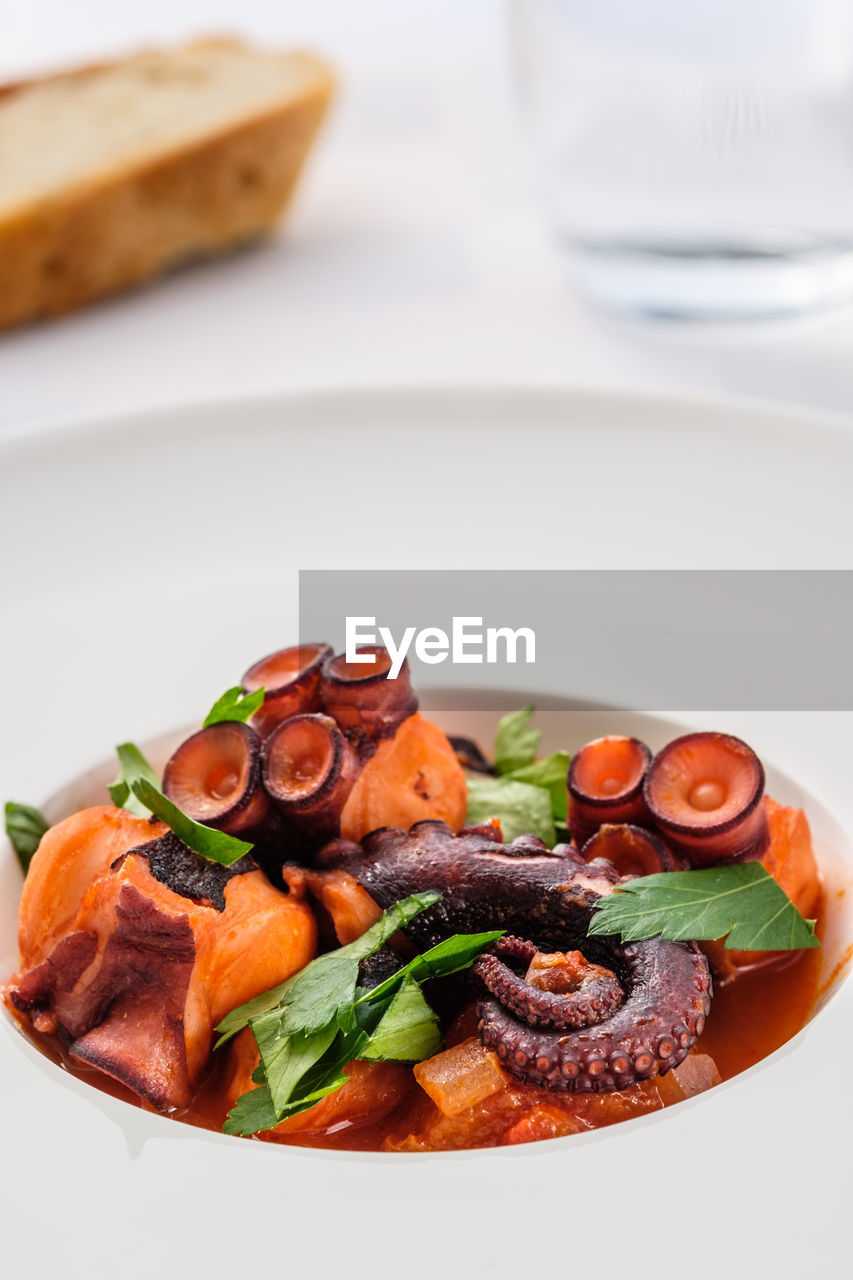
x=695, y=156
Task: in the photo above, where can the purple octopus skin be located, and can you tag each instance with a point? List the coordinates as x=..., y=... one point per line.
x=596, y=996
x=546, y=898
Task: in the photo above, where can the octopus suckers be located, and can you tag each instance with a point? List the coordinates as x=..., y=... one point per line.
x=622, y=1001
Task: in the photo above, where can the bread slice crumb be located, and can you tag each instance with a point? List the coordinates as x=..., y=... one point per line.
x=113, y=173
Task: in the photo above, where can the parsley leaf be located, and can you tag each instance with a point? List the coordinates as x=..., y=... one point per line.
x=528, y=796
x=131, y=763
x=310, y=1027
x=240, y=1017
x=235, y=704
x=742, y=903
x=447, y=957
x=287, y=1057
x=408, y=1030
x=254, y=1110
x=551, y=773
x=313, y=996
x=515, y=741
x=252, y=1113
x=138, y=782
x=521, y=808
x=25, y=827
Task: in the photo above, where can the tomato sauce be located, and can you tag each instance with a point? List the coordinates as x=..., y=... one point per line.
x=751, y=1015
x=756, y=1008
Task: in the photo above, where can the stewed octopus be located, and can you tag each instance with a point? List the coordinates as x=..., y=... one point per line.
x=134, y=947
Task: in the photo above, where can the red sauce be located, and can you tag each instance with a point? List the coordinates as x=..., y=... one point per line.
x=760, y=1010
x=751, y=1016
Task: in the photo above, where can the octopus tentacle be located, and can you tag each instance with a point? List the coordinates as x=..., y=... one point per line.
x=547, y=898
x=705, y=792
x=361, y=697
x=215, y=777
x=309, y=770
x=652, y=1031
x=290, y=679
x=632, y=850
x=605, y=783
x=597, y=994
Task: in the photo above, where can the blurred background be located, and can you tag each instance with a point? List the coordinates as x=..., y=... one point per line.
x=457, y=221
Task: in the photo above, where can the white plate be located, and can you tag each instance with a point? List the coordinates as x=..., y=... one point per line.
x=150, y=558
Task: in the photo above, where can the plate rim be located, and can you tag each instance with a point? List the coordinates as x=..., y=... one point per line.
x=766, y=415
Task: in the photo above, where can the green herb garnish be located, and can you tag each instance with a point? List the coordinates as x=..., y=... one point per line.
x=742, y=903
x=235, y=704
x=308, y=1028
x=25, y=827
x=408, y=1030
x=550, y=773
x=132, y=763
x=529, y=796
x=522, y=809
x=315, y=994
x=137, y=789
x=515, y=741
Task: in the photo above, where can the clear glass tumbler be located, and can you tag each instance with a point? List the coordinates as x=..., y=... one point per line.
x=696, y=156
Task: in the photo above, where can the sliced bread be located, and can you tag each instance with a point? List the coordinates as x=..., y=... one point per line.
x=112, y=173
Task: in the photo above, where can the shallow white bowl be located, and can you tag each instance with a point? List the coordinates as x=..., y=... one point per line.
x=151, y=558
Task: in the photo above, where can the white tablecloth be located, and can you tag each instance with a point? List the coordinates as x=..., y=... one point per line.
x=416, y=251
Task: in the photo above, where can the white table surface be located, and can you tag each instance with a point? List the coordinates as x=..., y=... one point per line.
x=416, y=252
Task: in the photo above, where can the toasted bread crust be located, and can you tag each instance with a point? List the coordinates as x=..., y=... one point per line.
x=101, y=238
